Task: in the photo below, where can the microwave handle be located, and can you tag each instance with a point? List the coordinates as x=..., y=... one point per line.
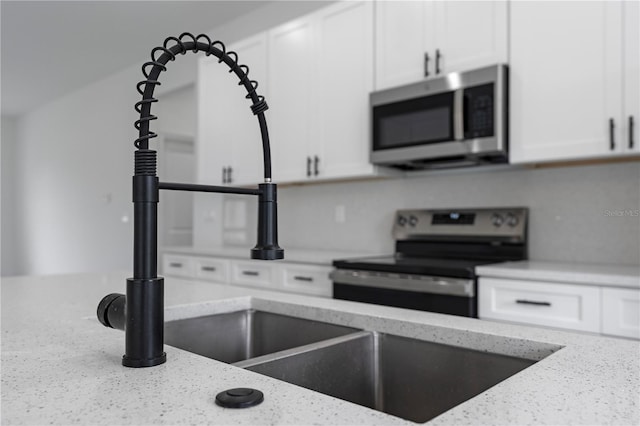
x=458, y=115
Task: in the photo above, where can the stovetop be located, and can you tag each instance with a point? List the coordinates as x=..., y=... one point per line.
x=462, y=268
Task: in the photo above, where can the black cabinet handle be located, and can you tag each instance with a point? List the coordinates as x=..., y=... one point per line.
x=208, y=268
x=438, y=56
x=175, y=265
x=426, y=64
x=224, y=175
x=316, y=162
x=532, y=302
x=230, y=176
x=612, y=142
x=308, y=166
x=301, y=278
x=251, y=273
x=631, y=123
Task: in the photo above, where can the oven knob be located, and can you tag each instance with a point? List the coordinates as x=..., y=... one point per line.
x=512, y=220
x=402, y=221
x=497, y=219
x=413, y=221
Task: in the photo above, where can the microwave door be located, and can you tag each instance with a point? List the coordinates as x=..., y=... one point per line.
x=414, y=122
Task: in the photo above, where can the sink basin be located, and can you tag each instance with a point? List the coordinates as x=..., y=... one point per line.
x=237, y=336
x=412, y=379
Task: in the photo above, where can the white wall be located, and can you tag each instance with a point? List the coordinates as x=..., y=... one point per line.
x=11, y=249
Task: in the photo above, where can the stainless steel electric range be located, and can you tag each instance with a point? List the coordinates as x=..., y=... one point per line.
x=433, y=268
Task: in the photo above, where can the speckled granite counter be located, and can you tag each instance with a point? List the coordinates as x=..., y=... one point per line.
x=60, y=366
x=575, y=273
x=292, y=254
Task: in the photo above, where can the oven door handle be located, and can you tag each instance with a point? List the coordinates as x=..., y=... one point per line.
x=414, y=283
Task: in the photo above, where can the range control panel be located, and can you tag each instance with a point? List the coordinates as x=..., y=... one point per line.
x=503, y=223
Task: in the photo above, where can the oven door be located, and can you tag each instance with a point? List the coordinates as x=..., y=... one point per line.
x=445, y=295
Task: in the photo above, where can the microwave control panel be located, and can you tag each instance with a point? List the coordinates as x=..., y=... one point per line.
x=479, y=111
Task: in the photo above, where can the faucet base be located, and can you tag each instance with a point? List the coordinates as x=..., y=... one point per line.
x=139, y=363
x=144, y=329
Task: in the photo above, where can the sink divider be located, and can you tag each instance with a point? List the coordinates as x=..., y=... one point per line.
x=251, y=362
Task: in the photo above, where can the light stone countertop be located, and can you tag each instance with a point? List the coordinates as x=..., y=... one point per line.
x=573, y=273
x=291, y=254
x=60, y=366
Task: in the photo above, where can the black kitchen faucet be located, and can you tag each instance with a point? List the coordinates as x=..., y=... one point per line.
x=141, y=312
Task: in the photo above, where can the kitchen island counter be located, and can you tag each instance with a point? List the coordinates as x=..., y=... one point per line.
x=60, y=366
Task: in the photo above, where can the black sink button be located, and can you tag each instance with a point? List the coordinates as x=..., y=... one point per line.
x=239, y=398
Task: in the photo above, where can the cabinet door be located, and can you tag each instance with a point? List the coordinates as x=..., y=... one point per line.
x=215, y=91
x=470, y=34
x=550, y=304
x=341, y=114
x=621, y=312
x=246, y=143
x=631, y=40
x=401, y=33
x=291, y=83
x=306, y=279
x=565, y=80
x=178, y=266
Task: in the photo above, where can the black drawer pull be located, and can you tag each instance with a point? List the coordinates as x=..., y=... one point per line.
x=532, y=302
x=209, y=268
x=438, y=56
x=612, y=140
x=426, y=64
x=251, y=273
x=301, y=278
x=175, y=265
x=316, y=161
x=631, y=123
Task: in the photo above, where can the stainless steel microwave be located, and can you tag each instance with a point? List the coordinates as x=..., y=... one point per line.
x=458, y=119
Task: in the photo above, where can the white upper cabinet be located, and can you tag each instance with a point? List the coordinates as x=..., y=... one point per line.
x=345, y=79
x=470, y=34
x=320, y=76
x=573, y=86
x=420, y=39
x=229, y=141
x=631, y=55
x=401, y=42
x=291, y=87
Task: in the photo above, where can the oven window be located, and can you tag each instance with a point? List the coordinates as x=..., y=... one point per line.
x=413, y=122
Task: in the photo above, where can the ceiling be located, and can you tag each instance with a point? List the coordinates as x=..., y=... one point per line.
x=49, y=48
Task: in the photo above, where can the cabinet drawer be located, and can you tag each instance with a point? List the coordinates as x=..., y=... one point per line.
x=313, y=280
x=566, y=306
x=621, y=312
x=256, y=274
x=212, y=269
x=177, y=266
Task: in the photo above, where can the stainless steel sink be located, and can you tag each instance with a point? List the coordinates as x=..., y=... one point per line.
x=241, y=335
x=412, y=379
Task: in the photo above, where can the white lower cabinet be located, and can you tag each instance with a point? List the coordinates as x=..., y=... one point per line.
x=253, y=273
x=302, y=278
x=307, y=279
x=177, y=266
x=212, y=269
x=573, y=307
x=621, y=312
x=589, y=308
